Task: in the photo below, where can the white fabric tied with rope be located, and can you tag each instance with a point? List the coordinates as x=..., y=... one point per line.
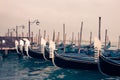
x=52, y=48
x=97, y=47
x=97, y=44
x=26, y=45
x=43, y=44
x=16, y=45
x=21, y=43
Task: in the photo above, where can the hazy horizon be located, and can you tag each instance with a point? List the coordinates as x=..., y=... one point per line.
x=53, y=13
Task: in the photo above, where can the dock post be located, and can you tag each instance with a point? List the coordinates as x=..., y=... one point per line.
x=8, y=32
x=5, y=53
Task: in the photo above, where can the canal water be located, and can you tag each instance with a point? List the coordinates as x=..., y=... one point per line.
x=14, y=68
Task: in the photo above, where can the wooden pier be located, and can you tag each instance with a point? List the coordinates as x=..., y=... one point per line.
x=8, y=43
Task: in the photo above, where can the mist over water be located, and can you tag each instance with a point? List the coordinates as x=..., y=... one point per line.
x=14, y=68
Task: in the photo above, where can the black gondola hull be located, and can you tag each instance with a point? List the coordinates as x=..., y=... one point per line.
x=33, y=53
x=108, y=67
x=66, y=62
x=47, y=54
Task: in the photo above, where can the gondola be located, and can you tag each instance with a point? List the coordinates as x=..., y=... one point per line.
x=75, y=61
x=34, y=51
x=72, y=48
x=47, y=53
x=59, y=48
x=19, y=48
x=109, y=65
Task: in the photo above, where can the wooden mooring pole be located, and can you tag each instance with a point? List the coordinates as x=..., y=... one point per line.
x=39, y=37
x=72, y=37
x=119, y=43
x=99, y=32
x=80, y=36
x=90, y=38
x=58, y=38
x=105, y=38
x=53, y=35
x=44, y=34
x=64, y=36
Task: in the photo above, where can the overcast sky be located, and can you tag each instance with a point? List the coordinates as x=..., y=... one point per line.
x=53, y=13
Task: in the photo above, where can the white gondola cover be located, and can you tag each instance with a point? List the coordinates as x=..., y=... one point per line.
x=97, y=44
x=43, y=44
x=16, y=44
x=97, y=47
x=21, y=43
x=27, y=44
x=52, y=48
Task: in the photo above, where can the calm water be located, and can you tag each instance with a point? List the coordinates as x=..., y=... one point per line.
x=14, y=68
